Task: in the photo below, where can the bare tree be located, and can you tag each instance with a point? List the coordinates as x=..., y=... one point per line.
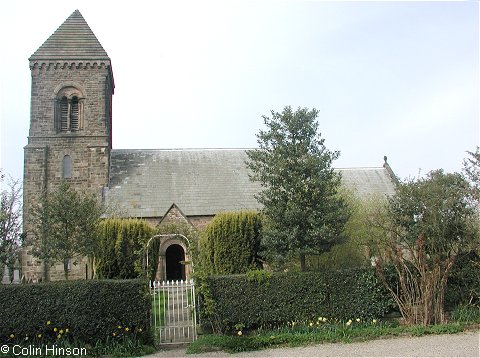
x=10, y=220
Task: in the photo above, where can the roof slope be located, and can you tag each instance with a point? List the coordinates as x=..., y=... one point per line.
x=73, y=40
x=145, y=183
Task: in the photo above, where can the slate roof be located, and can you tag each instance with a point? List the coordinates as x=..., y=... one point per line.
x=73, y=40
x=145, y=183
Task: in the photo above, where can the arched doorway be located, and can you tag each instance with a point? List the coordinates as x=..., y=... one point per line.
x=175, y=259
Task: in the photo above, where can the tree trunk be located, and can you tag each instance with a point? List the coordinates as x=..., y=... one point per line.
x=303, y=265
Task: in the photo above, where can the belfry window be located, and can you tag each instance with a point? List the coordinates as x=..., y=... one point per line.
x=68, y=110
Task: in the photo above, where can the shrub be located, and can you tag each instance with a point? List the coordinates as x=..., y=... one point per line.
x=121, y=244
x=230, y=243
x=463, y=286
x=287, y=297
x=89, y=311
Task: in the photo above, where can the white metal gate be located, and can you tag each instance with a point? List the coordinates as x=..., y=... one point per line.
x=174, y=316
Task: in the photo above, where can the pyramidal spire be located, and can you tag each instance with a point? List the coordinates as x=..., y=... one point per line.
x=73, y=40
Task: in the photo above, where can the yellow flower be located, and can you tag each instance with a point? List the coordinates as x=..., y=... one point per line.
x=59, y=336
x=12, y=336
x=374, y=321
x=349, y=322
x=140, y=330
x=61, y=331
x=358, y=320
x=239, y=333
x=39, y=335
x=55, y=329
x=66, y=330
x=324, y=319
x=114, y=334
x=48, y=322
x=311, y=324
x=119, y=327
x=320, y=319
x=126, y=329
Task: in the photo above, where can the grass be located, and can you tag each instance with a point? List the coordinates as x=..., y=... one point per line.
x=301, y=336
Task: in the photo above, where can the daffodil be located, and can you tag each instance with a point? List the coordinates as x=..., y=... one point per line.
x=114, y=334
x=349, y=322
x=126, y=329
x=239, y=333
x=374, y=321
x=55, y=329
x=39, y=335
x=12, y=336
x=119, y=327
x=66, y=330
x=59, y=336
x=358, y=320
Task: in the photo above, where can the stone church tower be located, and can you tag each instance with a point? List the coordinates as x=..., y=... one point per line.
x=70, y=135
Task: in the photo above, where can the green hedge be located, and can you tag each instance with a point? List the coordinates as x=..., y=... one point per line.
x=92, y=311
x=120, y=248
x=230, y=243
x=286, y=297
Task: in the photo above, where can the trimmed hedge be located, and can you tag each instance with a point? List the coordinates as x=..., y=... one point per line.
x=287, y=297
x=230, y=243
x=91, y=310
x=121, y=244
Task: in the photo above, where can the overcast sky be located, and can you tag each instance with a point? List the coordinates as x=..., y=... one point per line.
x=389, y=78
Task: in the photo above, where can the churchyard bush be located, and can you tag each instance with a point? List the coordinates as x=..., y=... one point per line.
x=83, y=311
x=121, y=245
x=289, y=297
x=230, y=243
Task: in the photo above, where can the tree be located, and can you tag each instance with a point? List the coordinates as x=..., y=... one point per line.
x=65, y=226
x=10, y=221
x=230, y=243
x=471, y=167
x=429, y=222
x=303, y=212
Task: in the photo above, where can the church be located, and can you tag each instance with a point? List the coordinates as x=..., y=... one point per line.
x=70, y=138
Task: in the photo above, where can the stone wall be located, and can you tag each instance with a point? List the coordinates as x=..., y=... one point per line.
x=88, y=148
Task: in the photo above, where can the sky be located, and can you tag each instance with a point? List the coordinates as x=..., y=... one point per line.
x=399, y=79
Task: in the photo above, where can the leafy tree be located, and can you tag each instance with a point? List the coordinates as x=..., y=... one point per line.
x=230, y=243
x=120, y=248
x=429, y=222
x=471, y=167
x=65, y=225
x=303, y=211
x=10, y=221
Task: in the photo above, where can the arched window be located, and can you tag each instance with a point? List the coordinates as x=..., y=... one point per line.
x=69, y=109
x=67, y=167
x=74, y=113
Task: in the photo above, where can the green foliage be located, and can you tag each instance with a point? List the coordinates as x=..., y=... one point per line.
x=304, y=215
x=64, y=225
x=230, y=243
x=287, y=297
x=88, y=311
x=463, y=287
x=121, y=247
x=258, y=276
x=301, y=335
x=429, y=222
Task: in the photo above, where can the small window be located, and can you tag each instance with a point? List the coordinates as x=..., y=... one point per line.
x=67, y=167
x=74, y=112
x=69, y=110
